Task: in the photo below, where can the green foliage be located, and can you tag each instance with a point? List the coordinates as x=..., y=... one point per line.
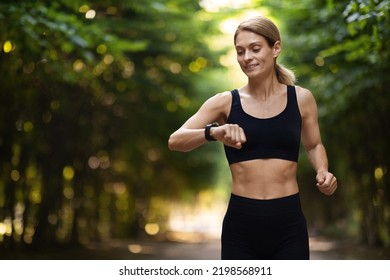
x=90, y=92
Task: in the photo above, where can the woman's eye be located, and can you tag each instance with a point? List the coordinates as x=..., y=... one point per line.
x=256, y=50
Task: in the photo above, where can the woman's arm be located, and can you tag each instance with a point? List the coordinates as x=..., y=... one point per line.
x=311, y=138
x=192, y=133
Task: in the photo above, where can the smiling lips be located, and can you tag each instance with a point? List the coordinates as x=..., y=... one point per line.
x=250, y=66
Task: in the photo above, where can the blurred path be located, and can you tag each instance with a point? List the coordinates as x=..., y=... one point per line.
x=320, y=249
x=206, y=249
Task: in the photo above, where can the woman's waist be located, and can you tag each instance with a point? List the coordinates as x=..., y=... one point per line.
x=265, y=190
x=287, y=206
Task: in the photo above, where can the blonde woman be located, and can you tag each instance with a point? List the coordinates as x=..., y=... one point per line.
x=261, y=126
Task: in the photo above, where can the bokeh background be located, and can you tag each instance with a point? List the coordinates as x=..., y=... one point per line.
x=91, y=90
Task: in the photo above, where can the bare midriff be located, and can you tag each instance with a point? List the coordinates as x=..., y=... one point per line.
x=264, y=178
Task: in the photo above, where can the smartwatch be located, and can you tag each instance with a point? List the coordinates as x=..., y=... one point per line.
x=207, y=131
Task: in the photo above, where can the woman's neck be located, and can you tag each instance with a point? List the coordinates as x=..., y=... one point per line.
x=263, y=88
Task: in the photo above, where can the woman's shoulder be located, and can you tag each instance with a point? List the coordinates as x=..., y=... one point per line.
x=304, y=95
x=219, y=104
x=220, y=99
x=223, y=95
x=303, y=92
x=305, y=98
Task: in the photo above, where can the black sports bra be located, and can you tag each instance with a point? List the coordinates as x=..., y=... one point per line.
x=275, y=137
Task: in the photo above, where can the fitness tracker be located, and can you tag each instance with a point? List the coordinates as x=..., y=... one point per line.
x=207, y=131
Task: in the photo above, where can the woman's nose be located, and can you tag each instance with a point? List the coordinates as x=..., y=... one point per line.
x=248, y=56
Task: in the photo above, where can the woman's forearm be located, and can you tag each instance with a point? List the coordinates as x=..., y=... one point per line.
x=185, y=140
x=318, y=158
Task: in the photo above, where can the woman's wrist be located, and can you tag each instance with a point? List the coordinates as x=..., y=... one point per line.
x=208, y=133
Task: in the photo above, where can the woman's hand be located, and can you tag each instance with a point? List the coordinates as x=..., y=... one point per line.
x=326, y=182
x=231, y=135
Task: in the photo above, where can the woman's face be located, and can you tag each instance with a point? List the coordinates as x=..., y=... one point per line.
x=254, y=55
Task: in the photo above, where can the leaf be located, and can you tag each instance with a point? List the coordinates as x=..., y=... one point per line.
x=353, y=17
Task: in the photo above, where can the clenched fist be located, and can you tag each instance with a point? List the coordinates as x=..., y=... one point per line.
x=231, y=135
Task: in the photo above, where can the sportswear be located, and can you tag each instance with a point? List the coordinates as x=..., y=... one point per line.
x=275, y=137
x=273, y=229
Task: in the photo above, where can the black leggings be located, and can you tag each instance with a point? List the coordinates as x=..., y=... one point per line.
x=273, y=229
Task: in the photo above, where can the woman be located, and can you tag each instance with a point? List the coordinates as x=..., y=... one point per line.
x=261, y=125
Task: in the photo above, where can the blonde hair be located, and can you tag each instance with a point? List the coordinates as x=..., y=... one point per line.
x=266, y=28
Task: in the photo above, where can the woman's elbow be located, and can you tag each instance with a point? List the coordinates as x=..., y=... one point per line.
x=174, y=144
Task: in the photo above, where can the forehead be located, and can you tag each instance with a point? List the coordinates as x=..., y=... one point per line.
x=246, y=38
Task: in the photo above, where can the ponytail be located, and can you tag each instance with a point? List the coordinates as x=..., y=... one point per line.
x=284, y=75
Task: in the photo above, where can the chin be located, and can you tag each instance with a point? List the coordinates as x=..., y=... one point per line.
x=251, y=74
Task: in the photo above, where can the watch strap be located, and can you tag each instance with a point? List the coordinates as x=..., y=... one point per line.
x=207, y=131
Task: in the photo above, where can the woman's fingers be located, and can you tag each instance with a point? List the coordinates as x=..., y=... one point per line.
x=234, y=135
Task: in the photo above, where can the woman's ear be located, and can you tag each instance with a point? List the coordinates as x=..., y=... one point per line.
x=277, y=49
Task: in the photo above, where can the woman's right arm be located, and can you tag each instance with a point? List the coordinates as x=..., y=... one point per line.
x=192, y=133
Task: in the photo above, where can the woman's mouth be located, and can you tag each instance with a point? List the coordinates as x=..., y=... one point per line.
x=251, y=66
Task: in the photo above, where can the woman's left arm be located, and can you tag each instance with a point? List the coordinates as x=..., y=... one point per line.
x=311, y=139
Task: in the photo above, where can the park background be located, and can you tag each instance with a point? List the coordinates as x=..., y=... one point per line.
x=91, y=90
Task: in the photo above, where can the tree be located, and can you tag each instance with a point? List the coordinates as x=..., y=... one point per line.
x=89, y=94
